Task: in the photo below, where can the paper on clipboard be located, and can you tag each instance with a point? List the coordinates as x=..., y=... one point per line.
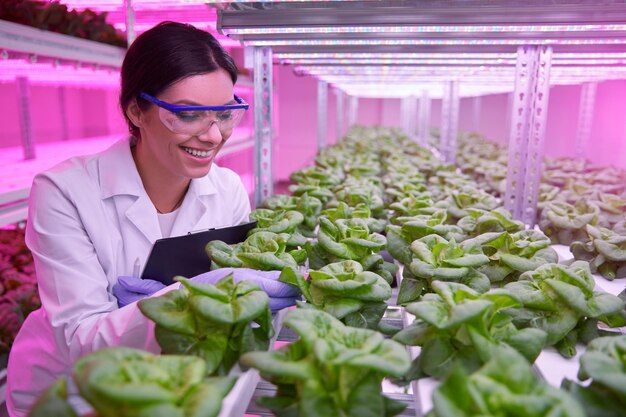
x=185, y=255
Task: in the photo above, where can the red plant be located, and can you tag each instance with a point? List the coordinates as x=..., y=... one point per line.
x=18, y=287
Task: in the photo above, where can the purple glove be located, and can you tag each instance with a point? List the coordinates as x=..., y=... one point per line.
x=130, y=289
x=281, y=295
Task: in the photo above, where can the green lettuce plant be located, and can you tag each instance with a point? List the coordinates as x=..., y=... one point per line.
x=211, y=321
x=314, y=189
x=605, y=251
x=265, y=251
x=349, y=239
x=398, y=187
x=434, y=258
x=604, y=365
x=411, y=206
x=480, y=221
x=457, y=325
x=561, y=301
x=126, y=382
x=361, y=194
x=410, y=229
x=512, y=254
x=309, y=206
x=346, y=291
x=565, y=223
x=620, y=227
x=53, y=402
x=331, y=370
x=361, y=211
x=321, y=175
x=443, y=183
x=363, y=166
x=547, y=194
x=460, y=201
x=279, y=221
x=612, y=209
x=504, y=386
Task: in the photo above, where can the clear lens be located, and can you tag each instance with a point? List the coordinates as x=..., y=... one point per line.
x=197, y=122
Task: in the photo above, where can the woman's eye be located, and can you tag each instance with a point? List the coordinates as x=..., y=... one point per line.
x=224, y=115
x=187, y=116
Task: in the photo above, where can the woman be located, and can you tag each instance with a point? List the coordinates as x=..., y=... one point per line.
x=93, y=220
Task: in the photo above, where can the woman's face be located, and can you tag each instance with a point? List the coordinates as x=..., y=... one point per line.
x=187, y=156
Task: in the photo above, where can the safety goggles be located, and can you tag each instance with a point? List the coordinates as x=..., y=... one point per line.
x=196, y=120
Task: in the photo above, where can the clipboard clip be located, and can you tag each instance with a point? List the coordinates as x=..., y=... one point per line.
x=201, y=230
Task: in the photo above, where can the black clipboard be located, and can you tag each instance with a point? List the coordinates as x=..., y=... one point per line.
x=185, y=255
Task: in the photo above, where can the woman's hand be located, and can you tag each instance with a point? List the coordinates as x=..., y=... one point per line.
x=281, y=295
x=130, y=289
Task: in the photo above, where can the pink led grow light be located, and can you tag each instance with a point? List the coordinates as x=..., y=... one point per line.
x=434, y=42
x=429, y=29
x=49, y=73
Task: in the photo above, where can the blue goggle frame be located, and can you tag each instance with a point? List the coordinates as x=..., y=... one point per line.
x=179, y=108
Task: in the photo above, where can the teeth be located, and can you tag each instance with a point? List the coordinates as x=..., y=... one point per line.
x=197, y=153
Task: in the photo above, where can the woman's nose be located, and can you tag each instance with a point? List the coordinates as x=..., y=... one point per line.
x=212, y=134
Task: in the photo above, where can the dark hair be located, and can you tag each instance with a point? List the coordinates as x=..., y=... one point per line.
x=165, y=54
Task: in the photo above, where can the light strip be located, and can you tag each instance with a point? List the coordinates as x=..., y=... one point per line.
x=152, y=4
x=143, y=26
x=433, y=42
x=392, y=55
x=427, y=29
x=461, y=71
x=349, y=61
x=435, y=55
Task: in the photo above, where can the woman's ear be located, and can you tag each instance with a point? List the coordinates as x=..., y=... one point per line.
x=134, y=114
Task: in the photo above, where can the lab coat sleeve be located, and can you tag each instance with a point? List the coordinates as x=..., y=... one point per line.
x=74, y=289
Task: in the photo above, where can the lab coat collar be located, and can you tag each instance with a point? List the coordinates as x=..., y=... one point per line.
x=119, y=175
x=195, y=205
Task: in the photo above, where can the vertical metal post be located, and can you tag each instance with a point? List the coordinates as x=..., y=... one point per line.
x=130, y=22
x=322, y=113
x=65, y=134
x=404, y=114
x=585, y=118
x=449, y=121
x=424, y=119
x=354, y=111
x=340, y=114
x=262, y=124
x=476, y=114
x=409, y=115
x=509, y=111
x=528, y=122
x=26, y=125
x=346, y=112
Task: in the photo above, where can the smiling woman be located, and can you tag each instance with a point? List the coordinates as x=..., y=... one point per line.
x=93, y=219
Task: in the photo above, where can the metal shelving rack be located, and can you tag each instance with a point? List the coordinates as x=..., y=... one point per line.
x=36, y=45
x=440, y=48
x=448, y=50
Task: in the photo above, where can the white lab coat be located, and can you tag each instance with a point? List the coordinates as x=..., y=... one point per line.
x=90, y=219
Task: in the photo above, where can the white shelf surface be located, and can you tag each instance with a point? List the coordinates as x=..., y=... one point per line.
x=16, y=174
x=554, y=368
